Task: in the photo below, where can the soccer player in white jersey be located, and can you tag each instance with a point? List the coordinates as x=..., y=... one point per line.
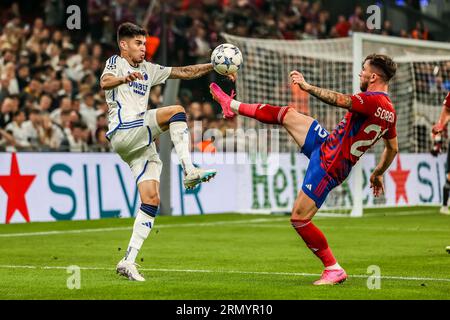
x=127, y=80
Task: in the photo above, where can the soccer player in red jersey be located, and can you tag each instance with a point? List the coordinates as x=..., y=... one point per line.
x=370, y=116
x=437, y=131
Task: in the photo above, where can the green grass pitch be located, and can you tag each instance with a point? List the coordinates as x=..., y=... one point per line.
x=230, y=256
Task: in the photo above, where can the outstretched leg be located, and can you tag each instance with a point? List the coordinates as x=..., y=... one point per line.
x=296, y=124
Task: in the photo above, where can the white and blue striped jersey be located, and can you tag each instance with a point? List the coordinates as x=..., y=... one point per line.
x=128, y=102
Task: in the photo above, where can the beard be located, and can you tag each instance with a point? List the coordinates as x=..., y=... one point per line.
x=363, y=86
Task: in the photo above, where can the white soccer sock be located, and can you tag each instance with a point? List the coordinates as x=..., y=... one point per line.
x=335, y=266
x=179, y=133
x=142, y=226
x=235, y=106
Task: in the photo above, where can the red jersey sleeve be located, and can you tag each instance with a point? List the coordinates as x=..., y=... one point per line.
x=392, y=131
x=447, y=101
x=364, y=103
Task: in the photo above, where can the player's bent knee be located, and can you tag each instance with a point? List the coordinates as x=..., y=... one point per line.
x=290, y=113
x=300, y=213
x=151, y=198
x=154, y=200
x=177, y=109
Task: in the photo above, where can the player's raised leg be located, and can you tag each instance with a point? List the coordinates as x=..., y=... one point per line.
x=143, y=224
x=297, y=124
x=173, y=118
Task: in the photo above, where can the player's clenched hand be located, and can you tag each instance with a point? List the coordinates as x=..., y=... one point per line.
x=133, y=76
x=376, y=183
x=437, y=128
x=297, y=78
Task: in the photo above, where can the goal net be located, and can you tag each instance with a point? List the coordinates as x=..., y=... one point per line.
x=417, y=91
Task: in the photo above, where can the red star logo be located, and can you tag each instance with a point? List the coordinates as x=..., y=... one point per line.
x=15, y=186
x=400, y=176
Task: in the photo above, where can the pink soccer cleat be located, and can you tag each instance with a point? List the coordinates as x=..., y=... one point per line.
x=331, y=277
x=223, y=99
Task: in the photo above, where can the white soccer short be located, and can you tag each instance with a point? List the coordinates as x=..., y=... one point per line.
x=137, y=148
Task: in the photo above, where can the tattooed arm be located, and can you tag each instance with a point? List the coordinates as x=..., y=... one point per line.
x=190, y=72
x=328, y=96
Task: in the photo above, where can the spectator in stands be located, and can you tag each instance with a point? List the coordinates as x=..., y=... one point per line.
x=420, y=31
x=65, y=105
x=102, y=144
x=52, y=135
x=208, y=111
x=33, y=129
x=18, y=131
x=342, y=27
x=10, y=81
x=6, y=112
x=387, y=28
x=195, y=111
x=356, y=20
x=77, y=138
x=7, y=141
x=89, y=112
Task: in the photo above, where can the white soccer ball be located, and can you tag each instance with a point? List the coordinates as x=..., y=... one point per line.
x=226, y=59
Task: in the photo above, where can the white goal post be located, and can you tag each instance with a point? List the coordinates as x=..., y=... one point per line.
x=418, y=87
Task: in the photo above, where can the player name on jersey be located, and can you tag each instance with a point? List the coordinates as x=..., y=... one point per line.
x=385, y=115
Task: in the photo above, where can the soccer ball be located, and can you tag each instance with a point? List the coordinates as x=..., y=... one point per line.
x=226, y=59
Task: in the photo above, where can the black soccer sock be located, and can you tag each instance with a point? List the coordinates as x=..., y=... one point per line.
x=446, y=191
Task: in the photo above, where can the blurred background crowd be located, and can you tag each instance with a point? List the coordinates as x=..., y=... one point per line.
x=50, y=98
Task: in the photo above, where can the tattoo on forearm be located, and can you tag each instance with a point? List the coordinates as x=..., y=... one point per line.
x=331, y=97
x=190, y=72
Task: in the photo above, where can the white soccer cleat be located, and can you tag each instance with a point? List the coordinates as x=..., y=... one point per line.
x=128, y=269
x=444, y=210
x=196, y=176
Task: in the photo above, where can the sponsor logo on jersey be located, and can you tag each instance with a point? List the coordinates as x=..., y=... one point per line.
x=359, y=98
x=138, y=88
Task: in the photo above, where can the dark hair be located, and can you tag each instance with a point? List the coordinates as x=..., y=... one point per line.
x=34, y=111
x=129, y=30
x=383, y=63
x=80, y=125
x=18, y=112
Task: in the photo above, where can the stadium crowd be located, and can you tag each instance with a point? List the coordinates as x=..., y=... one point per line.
x=50, y=98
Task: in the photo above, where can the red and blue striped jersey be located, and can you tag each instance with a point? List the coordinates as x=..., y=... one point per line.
x=371, y=117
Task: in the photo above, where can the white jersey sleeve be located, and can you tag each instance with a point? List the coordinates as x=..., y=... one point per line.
x=111, y=66
x=158, y=72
